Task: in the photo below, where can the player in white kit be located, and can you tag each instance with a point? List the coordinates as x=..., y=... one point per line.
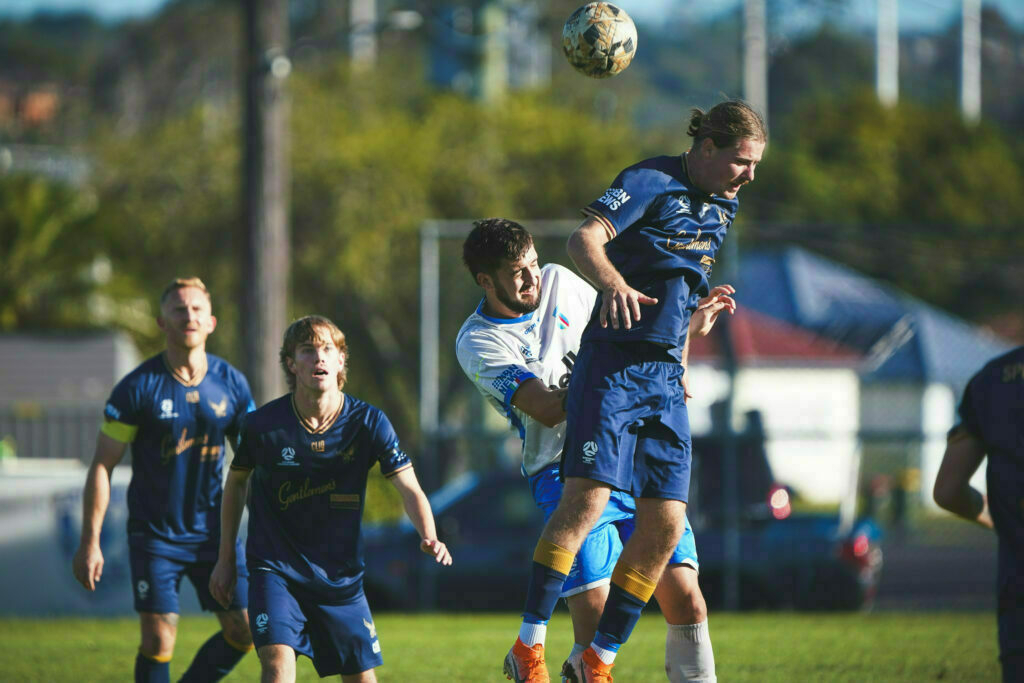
x=518, y=348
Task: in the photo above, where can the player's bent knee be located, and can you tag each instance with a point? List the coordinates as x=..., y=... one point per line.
x=235, y=626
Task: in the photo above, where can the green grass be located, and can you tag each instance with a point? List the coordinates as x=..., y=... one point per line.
x=469, y=647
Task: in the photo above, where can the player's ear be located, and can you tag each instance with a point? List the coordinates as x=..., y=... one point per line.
x=485, y=281
x=707, y=147
x=213, y=323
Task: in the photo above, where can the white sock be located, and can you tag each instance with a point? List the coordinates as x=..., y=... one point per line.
x=688, y=654
x=531, y=634
x=577, y=649
x=607, y=656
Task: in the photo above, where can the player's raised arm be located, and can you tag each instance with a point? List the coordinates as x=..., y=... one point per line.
x=418, y=508
x=87, y=564
x=225, y=572
x=619, y=301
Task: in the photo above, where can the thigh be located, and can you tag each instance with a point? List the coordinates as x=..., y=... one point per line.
x=199, y=575
x=276, y=616
x=344, y=638
x=662, y=464
x=602, y=415
x=155, y=581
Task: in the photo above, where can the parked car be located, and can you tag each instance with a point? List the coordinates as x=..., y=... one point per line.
x=491, y=525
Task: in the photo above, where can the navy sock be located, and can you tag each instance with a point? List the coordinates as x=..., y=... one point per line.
x=213, y=661
x=621, y=612
x=151, y=671
x=542, y=594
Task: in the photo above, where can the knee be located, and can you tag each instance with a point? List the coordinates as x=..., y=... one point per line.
x=157, y=645
x=235, y=626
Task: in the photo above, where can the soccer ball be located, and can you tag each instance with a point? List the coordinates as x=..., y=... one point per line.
x=599, y=39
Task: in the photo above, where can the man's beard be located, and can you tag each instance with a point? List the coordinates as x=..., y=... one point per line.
x=520, y=307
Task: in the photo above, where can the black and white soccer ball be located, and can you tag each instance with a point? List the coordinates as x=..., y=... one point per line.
x=599, y=39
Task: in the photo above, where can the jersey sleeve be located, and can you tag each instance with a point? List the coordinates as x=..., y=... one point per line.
x=122, y=412
x=492, y=365
x=969, y=412
x=386, y=448
x=243, y=459
x=628, y=198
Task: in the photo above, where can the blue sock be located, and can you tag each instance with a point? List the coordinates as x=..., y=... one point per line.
x=621, y=612
x=213, y=661
x=151, y=671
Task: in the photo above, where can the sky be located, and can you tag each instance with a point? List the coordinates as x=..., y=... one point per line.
x=927, y=15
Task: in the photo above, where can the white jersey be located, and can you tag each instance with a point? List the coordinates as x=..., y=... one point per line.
x=499, y=354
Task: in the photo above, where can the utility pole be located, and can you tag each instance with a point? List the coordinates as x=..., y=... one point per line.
x=755, y=57
x=362, y=42
x=265, y=193
x=887, y=52
x=970, y=61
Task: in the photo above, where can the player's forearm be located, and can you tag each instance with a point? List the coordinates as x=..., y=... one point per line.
x=965, y=501
x=586, y=249
x=95, y=500
x=417, y=507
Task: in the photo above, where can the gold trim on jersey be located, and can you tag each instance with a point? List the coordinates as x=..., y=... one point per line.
x=181, y=379
x=308, y=426
x=599, y=217
x=400, y=469
x=119, y=431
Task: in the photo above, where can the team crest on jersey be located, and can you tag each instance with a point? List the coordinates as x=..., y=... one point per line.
x=219, y=409
x=721, y=214
x=288, y=457
x=684, y=204
x=704, y=209
x=167, y=409
x=349, y=454
x=370, y=627
x=563, y=322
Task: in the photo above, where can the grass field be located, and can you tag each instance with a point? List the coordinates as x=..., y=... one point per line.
x=469, y=647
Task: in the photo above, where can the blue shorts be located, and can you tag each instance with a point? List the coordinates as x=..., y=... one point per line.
x=627, y=423
x=339, y=638
x=156, y=581
x=596, y=558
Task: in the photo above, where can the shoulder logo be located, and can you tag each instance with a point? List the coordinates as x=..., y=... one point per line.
x=262, y=621
x=142, y=588
x=563, y=322
x=167, y=409
x=220, y=409
x=288, y=457
x=589, y=451
x=614, y=197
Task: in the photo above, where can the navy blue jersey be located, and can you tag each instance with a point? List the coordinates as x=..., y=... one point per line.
x=992, y=410
x=667, y=233
x=176, y=429
x=308, y=490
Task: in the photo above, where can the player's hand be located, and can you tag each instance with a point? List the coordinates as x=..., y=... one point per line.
x=432, y=546
x=686, y=386
x=708, y=308
x=622, y=303
x=87, y=565
x=222, y=582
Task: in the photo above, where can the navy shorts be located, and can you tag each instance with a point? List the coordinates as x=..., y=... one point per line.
x=593, y=564
x=1011, y=640
x=340, y=638
x=156, y=581
x=627, y=424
